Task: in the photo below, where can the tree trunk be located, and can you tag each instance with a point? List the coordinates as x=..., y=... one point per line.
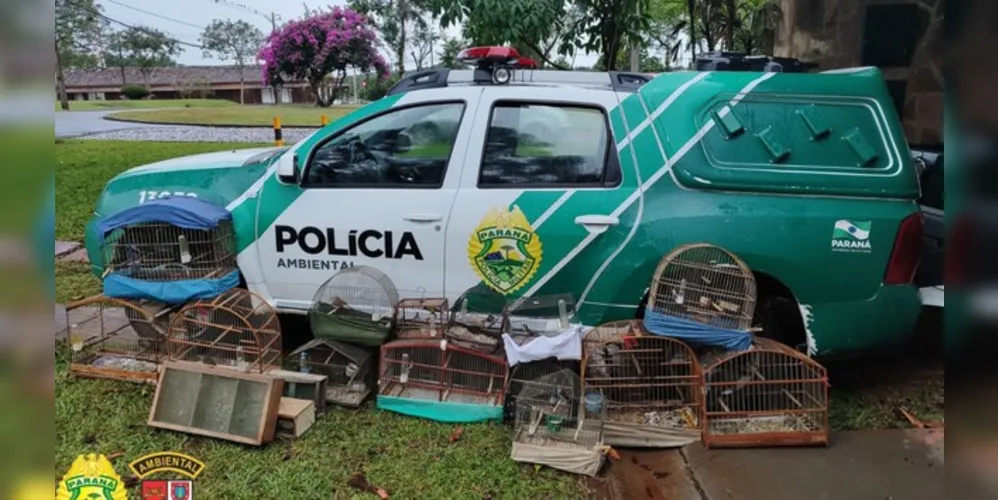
x=60, y=80
x=277, y=94
x=691, y=12
x=242, y=87
x=401, y=11
x=317, y=91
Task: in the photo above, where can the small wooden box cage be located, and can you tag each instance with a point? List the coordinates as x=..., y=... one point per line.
x=770, y=395
x=545, y=315
x=653, y=390
x=559, y=425
x=421, y=318
x=438, y=380
x=355, y=305
x=476, y=321
x=148, y=246
x=704, y=284
x=350, y=369
x=237, y=329
x=115, y=339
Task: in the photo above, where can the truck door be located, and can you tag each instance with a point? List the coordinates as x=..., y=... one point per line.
x=537, y=210
x=375, y=193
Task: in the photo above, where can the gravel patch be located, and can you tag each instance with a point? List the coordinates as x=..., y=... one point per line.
x=200, y=134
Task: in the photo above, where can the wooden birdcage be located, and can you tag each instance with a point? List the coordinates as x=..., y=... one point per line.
x=115, y=339
x=652, y=385
x=560, y=424
x=237, y=329
x=350, y=369
x=476, y=321
x=442, y=379
x=421, y=318
x=355, y=305
x=705, y=284
x=769, y=395
x=611, y=331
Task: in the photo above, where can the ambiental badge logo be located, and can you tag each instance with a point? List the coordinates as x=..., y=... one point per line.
x=91, y=476
x=851, y=236
x=167, y=461
x=504, y=250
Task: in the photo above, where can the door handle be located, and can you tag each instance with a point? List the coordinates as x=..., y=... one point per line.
x=597, y=224
x=424, y=218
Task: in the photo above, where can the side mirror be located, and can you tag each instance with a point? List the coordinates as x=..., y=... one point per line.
x=288, y=169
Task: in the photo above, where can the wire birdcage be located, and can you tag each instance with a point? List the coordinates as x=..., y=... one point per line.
x=115, y=339
x=355, y=305
x=476, y=321
x=349, y=369
x=559, y=424
x=653, y=390
x=421, y=318
x=770, y=395
x=522, y=374
x=160, y=251
x=237, y=329
x=706, y=284
x=544, y=315
x=446, y=379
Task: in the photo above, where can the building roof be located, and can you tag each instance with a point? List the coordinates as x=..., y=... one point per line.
x=182, y=75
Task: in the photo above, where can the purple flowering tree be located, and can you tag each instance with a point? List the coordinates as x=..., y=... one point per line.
x=318, y=49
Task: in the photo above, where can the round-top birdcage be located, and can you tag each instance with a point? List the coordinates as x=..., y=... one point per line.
x=706, y=284
x=355, y=305
x=768, y=395
x=611, y=331
x=237, y=329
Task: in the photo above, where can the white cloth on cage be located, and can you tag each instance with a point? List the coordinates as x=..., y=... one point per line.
x=565, y=345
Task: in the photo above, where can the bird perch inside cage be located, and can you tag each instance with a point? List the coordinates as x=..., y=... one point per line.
x=105, y=342
x=355, y=305
x=770, y=395
x=477, y=321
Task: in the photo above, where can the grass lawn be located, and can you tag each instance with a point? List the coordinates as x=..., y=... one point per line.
x=84, y=167
x=259, y=115
x=146, y=104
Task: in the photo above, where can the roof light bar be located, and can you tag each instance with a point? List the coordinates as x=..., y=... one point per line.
x=495, y=64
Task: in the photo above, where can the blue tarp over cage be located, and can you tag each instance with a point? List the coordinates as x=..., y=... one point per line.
x=182, y=212
x=696, y=333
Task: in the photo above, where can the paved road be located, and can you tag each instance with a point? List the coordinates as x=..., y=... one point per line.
x=79, y=123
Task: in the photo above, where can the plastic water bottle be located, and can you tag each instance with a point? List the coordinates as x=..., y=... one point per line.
x=303, y=362
x=404, y=374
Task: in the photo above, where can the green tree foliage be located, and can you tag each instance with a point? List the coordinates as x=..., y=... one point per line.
x=236, y=41
x=135, y=91
x=398, y=22
x=144, y=48
x=447, y=57
x=549, y=29
x=79, y=32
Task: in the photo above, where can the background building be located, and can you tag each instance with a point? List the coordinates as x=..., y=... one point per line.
x=903, y=38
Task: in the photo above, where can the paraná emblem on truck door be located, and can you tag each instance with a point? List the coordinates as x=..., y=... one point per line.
x=504, y=250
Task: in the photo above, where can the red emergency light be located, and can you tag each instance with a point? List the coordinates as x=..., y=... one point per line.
x=496, y=62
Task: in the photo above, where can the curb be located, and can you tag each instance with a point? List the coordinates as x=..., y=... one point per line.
x=213, y=125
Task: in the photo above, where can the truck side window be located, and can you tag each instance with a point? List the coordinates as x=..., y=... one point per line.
x=540, y=145
x=405, y=148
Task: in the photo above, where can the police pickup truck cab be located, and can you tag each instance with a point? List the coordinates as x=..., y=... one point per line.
x=530, y=183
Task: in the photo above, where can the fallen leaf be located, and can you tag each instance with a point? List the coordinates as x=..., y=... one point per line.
x=454, y=436
x=613, y=454
x=915, y=422
x=116, y=455
x=381, y=493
